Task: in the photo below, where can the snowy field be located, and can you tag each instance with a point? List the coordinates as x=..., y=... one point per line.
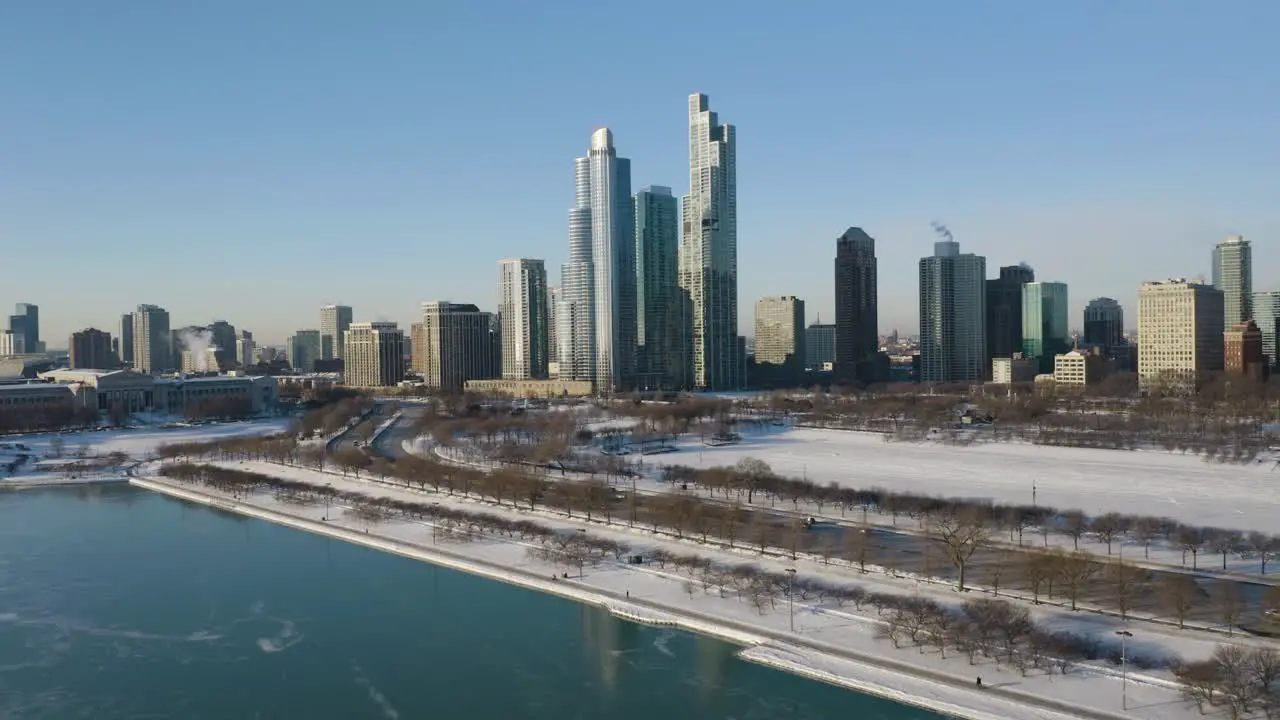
x=839, y=644
x=1144, y=482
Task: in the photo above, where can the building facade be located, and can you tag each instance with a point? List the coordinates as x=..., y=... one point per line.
x=25, y=321
x=953, y=341
x=460, y=343
x=373, y=355
x=613, y=257
x=575, y=317
x=1103, y=323
x=152, y=341
x=335, y=320
x=1004, y=310
x=780, y=336
x=709, y=250
x=820, y=347
x=1266, y=313
x=530, y=389
x=857, y=313
x=1233, y=275
x=1180, y=334
x=1045, y=329
x=1242, y=351
x=91, y=349
x=554, y=298
x=124, y=339
x=1078, y=368
x=522, y=310
x=661, y=361
x=1017, y=368
x=304, y=348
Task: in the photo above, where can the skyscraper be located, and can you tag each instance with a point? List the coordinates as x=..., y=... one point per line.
x=553, y=337
x=709, y=249
x=1180, y=334
x=1103, y=322
x=90, y=349
x=1233, y=275
x=613, y=257
x=575, y=324
x=459, y=343
x=857, y=319
x=1266, y=312
x=952, y=315
x=26, y=322
x=304, y=349
x=152, y=342
x=373, y=355
x=1045, y=329
x=124, y=338
x=819, y=346
x=661, y=361
x=1004, y=310
x=780, y=339
x=334, y=322
x=244, y=348
x=522, y=308
x=224, y=343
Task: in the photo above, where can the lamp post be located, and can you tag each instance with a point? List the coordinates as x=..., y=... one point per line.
x=1124, y=669
x=791, y=598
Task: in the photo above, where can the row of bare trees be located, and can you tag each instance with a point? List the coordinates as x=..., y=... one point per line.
x=1244, y=681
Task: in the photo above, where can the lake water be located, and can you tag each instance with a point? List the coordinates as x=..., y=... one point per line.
x=119, y=603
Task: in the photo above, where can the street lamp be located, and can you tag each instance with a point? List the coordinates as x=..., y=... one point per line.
x=1124, y=669
x=791, y=598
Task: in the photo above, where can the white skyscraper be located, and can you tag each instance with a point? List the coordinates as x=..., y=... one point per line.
x=597, y=315
x=709, y=249
x=522, y=308
x=1233, y=275
x=335, y=320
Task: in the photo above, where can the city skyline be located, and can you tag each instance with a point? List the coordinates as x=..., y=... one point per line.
x=1015, y=176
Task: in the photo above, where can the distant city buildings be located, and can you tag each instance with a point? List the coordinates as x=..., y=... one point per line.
x=373, y=354
x=1180, y=334
x=1233, y=275
x=780, y=338
x=709, y=250
x=857, y=312
x=12, y=343
x=124, y=339
x=952, y=315
x=245, y=347
x=1045, y=331
x=304, y=348
x=91, y=349
x=1103, y=323
x=25, y=323
x=522, y=309
x=1004, y=310
x=335, y=320
x=820, y=346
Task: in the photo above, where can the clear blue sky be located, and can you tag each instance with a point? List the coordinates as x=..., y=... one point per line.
x=253, y=160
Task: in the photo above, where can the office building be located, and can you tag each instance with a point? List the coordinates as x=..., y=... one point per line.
x=820, y=347
x=660, y=347
x=1242, y=351
x=1004, y=310
x=25, y=322
x=953, y=341
x=417, y=347
x=124, y=339
x=857, y=319
x=1045, y=332
x=153, y=350
x=223, y=336
x=334, y=322
x=522, y=310
x=90, y=349
x=304, y=348
x=1266, y=313
x=780, y=336
x=1017, y=368
x=1103, y=323
x=1079, y=368
x=553, y=337
x=245, y=347
x=1233, y=275
x=1180, y=334
x=12, y=343
x=613, y=259
x=575, y=324
x=709, y=250
x=459, y=343
x=373, y=355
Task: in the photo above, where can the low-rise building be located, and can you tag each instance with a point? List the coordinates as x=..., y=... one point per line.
x=531, y=388
x=126, y=391
x=37, y=396
x=122, y=390
x=1079, y=367
x=1015, y=369
x=1242, y=350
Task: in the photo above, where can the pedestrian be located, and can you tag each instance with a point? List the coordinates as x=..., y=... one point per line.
x=628, y=594
x=979, y=681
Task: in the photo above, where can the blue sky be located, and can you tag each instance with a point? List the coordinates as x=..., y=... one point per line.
x=254, y=160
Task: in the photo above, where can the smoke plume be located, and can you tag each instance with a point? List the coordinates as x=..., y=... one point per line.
x=198, y=341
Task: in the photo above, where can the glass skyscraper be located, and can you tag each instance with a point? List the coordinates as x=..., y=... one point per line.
x=1233, y=275
x=953, y=341
x=1045, y=330
x=659, y=307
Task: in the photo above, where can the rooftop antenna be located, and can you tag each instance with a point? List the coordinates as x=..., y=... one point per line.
x=942, y=231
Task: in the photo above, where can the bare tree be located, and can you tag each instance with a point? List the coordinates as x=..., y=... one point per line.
x=857, y=543
x=1179, y=592
x=1107, y=528
x=960, y=532
x=1124, y=583
x=1264, y=547
x=1074, y=524
x=1076, y=569
x=1230, y=603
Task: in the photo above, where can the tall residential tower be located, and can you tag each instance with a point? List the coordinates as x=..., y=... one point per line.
x=857, y=320
x=660, y=356
x=952, y=315
x=1233, y=275
x=522, y=310
x=334, y=322
x=709, y=249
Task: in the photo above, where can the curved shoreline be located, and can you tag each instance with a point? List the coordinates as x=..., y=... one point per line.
x=757, y=647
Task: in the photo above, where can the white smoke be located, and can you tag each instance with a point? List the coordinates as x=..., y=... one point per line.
x=198, y=341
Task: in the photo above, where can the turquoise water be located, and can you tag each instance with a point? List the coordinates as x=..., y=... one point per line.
x=118, y=603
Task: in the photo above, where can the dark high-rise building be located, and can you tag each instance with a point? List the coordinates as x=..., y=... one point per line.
x=224, y=340
x=1004, y=311
x=91, y=349
x=124, y=339
x=660, y=346
x=25, y=322
x=1103, y=322
x=857, y=319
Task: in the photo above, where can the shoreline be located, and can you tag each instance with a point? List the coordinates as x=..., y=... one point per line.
x=762, y=648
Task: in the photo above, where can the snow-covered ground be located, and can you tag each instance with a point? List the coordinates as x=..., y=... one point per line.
x=91, y=447
x=834, y=644
x=1142, y=482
